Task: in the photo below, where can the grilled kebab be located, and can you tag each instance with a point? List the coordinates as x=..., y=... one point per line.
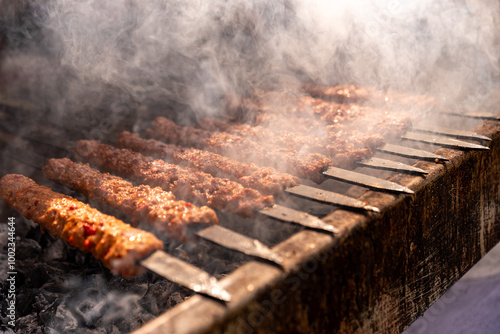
x=339, y=93
x=185, y=183
x=267, y=180
x=302, y=164
x=343, y=147
x=115, y=243
x=143, y=203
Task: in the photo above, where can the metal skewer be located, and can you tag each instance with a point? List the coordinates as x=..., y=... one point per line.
x=330, y=197
x=451, y=132
x=185, y=274
x=443, y=141
x=390, y=165
x=232, y=240
x=365, y=180
x=476, y=114
x=286, y=214
x=410, y=152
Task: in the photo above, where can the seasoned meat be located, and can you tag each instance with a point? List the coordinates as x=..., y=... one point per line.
x=341, y=93
x=267, y=180
x=343, y=147
x=372, y=121
x=116, y=244
x=143, y=203
x=185, y=183
x=302, y=164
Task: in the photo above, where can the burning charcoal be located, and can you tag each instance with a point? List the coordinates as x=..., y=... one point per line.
x=118, y=305
x=28, y=324
x=25, y=300
x=36, y=274
x=145, y=317
x=3, y=324
x=24, y=227
x=114, y=330
x=160, y=293
x=56, y=275
x=64, y=321
x=47, y=314
x=29, y=249
x=174, y=299
x=3, y=263
x=3, y=236
x=53, y=290
x=40, y=302
x=89, y=311
x=51, y=331
x=93, y=331
x=137, y=285
x=7, y=330
x=54, y=252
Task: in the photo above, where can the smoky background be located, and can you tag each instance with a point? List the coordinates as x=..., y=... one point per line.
x=73, y=58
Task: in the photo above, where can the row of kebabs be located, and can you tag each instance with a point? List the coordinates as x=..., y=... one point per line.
x=172, y=196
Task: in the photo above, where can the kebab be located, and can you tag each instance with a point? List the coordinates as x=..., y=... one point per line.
x=344, y=147
x=287, y=147
x=302, y=164
x=115, y=243
x=264, y=179
x=159, y=208
x=340, y=93
x=143, y=203
x=313, y=166
x=185, y=183
x=353, y=94
x=304, y=113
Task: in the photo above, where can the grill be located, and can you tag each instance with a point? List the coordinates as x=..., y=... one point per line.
x=369, y=249
x=377, y=272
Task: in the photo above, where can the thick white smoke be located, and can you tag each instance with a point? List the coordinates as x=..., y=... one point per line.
x=87, y=53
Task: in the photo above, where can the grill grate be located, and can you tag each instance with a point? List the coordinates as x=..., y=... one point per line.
x=308, y=256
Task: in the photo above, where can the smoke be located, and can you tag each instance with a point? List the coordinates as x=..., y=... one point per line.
x=72, y=58
x=81, y=55
x=445, y=48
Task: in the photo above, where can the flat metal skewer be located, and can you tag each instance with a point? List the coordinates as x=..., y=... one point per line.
x=232, y=240
x=451, y=132
x=185, y=274
x=289, y=215
x=330, y=197
x=410, y=152
x=476, y=114
x=390, y=165
x=365, y=180
x=443, y=141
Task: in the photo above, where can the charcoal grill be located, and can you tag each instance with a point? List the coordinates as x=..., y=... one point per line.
x=377, y=273
x=368, y=271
